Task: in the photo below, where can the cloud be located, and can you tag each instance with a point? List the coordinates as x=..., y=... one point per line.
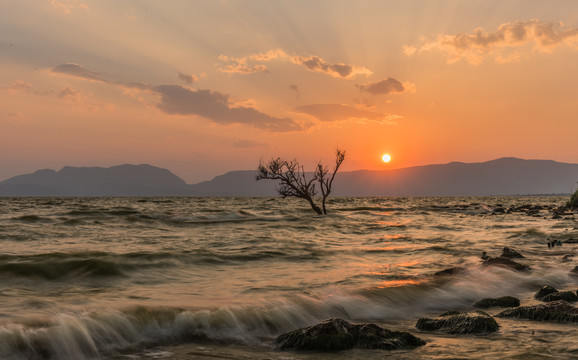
x=78, y=71
x=296, y=89
x=249, y=144
x=383, y=87
x=240, y=65
x=66, y=6
x=341, y=112
x=176, y=99
x=338, y=70
x=255, y=63
x=19, y=86
x=506, y=44
x=216, y=107
x=71, y=95
x=188, y=78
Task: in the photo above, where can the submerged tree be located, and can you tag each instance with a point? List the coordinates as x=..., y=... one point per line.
x=295, y=182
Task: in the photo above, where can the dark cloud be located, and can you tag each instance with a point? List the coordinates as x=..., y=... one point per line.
x=79, y=71
x=189, y=79
x=383, y=87
x=340, y=70
x=215, y=106
x=340, y=112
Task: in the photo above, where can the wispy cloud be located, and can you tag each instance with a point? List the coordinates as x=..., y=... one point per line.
x=247, y=64
x=506, y=44
x=78, y=71
x=342, y=112
x=256, y=63
x=217, y=107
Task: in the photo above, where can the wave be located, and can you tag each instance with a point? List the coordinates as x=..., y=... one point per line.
x=111, y=332
x=66, y=266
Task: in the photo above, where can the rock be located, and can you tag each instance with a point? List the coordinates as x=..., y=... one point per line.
x=569, y=296
x=574, y=271
x=504, y=301
x=511, y=254
x=559, y=311
x=338, y=334
x=545, y=290
x=450, y=271
x=567, y=257
x=502, y=261
x=475, y=322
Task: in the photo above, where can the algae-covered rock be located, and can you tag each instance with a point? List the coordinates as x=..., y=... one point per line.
x=476, y=322
x=545, y=290
x=502, y=261
x=569, y=296
x=504, y=301
x=511, y=254
x=338, y=334
x=559, y=311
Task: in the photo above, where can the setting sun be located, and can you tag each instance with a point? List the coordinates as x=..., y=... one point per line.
x=386, y=158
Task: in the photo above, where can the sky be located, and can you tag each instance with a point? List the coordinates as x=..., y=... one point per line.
x=202, y=87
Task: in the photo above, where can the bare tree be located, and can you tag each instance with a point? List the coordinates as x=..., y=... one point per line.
x=295, y=182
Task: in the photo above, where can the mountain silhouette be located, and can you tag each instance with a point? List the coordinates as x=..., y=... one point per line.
x=504, y=176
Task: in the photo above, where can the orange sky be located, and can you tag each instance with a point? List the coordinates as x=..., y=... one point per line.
x=204, y=87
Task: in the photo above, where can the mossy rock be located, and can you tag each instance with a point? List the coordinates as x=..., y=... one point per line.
x=504, y=301
x=505, y=262
x=559, y=311
x=338, y=334
x=476, y=322
x=569, y=296
x=545, y=290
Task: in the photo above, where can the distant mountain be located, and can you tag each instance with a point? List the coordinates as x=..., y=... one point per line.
x=505, y=176
x=123, y=180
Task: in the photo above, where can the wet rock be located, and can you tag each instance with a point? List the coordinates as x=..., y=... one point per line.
x=504, y=301
x=569, y=296
x=559, y=311
x=545, y=290
x=511, y=254
x=567, y=257
x=476, y=322
x=502, y=261
x=338, y=334
x=450, y=271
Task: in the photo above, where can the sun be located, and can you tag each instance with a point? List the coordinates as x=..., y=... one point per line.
x=386, y=158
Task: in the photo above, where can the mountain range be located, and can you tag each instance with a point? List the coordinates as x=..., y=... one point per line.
x=504, y=176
